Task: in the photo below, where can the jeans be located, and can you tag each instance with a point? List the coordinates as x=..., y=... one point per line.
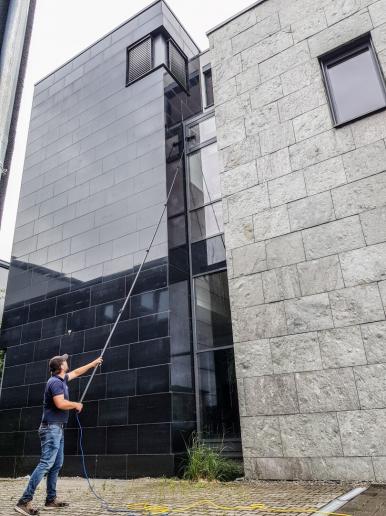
x=51, y=460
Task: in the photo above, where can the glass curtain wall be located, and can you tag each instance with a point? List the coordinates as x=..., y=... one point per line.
x=217, y=409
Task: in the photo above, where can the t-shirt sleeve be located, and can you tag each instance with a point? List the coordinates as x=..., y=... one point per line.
x=57, y=388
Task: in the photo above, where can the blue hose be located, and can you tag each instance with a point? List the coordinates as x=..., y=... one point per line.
x=104, y=504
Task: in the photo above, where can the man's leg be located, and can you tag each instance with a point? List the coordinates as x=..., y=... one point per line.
x=53, y=473
x=50, y=438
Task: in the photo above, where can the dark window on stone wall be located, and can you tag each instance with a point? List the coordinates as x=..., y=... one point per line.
x=354, y=81
x=208, y=87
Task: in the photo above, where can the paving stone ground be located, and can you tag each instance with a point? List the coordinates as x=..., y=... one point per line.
x=286, y=498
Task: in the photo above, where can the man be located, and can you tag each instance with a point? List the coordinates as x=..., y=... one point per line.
x=56, y=407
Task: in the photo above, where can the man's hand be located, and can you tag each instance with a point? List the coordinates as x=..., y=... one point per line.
x=97, y=362
x=78, y=406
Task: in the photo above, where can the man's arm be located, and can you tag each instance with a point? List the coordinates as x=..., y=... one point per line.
x=63, y=404
x=81, y=370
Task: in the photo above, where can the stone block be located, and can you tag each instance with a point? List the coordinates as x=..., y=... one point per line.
x=302, y=101
x=340, y=9
x=266, y=48
x=327, y=390
x=308, y=26
x=246, y=291
x=310, y=435
x=231, y=132
x=234, y=109
x=239, y=178
x=362, y=195
x=334, y=237
x=378, y=12
x=311, y=211
x=248, y=79
x=274, y=165
x=356, y=305
x=258, y=322
x=271, y=395
x=277, y=468
x=324, y=176
x=321, y=147
x=371, y=385
x=249, y=259
x=340, y=33
x=253, y=358
x=342, y=347
x=382, y=290
x=261, y=118
x=299, y=77
x=285, y=250
x=282, y=283
x=261, y=437
x=321, y=275
x=285, y=61
x=342, y=469
x=379, y=37
x=374, y=341
x=293, y=353
x=276, y=137
x=369, y=129
x=287, y=188
x=227, y=69
x=271, y=223
x=266, y=93
x=366, y=161
x=308, y=313
x=248, y=202
x=312, y=123
x=363, y=432
x=240, y=153
x=364, y=265
x=225, y=91
x=374, y=225
x=239, y=232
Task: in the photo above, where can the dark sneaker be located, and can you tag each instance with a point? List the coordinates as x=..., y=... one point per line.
x=26, y=508
x=54, y=504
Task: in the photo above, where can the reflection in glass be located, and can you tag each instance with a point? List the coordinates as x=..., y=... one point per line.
x=218, y=394
x=356, y=86
x=206, y=222
x=213, y=316
x=204, y=176
x=202, y=132
x=208, y=255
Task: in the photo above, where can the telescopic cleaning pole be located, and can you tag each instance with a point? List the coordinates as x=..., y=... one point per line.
x=136, y=276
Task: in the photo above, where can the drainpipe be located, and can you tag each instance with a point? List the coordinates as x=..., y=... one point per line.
x=13, y=59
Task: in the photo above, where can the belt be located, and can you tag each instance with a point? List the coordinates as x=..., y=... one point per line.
x=46, y=425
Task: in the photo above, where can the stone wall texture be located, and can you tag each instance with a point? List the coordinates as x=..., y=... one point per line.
x=305, y=227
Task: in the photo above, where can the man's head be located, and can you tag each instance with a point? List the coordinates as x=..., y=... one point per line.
x=59, y=364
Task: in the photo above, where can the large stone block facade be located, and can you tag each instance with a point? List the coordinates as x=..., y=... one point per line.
x=305, y=228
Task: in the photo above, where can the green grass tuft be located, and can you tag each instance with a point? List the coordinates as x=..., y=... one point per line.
x=205, y=463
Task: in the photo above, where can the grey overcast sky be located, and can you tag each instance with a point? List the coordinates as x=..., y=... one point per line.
x=62, y=28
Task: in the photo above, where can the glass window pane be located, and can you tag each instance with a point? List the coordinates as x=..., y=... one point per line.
x=208, y=255
x=206, y=222
x=204, y=177
x=202, y=132
x=356, y=86
x=218, y=394
x=213, y=316
x=208, y=88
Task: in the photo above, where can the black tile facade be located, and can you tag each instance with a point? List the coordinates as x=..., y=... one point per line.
x=140, y=406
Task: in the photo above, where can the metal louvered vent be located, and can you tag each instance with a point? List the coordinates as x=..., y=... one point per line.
x=139, y=60
x=177, y=64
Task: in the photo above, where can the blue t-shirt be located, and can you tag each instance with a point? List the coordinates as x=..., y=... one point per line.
x=55, y=386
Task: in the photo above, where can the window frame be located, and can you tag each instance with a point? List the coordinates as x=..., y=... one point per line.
x=341, y=54
x=170, y=41
x=131, y=47
x=206, y=71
